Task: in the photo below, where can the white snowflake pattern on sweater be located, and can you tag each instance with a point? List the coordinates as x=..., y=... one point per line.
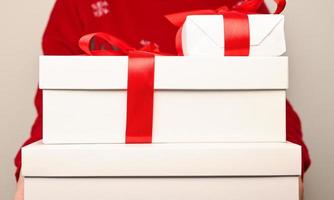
x=100, y=8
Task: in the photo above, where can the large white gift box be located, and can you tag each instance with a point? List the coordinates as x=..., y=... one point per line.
x=196, y=99
x=213, y=171
x=204, y=35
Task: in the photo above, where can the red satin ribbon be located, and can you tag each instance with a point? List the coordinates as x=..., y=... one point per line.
x=236, y=32
x=140, y=98
x=140, y=91
x=236, y=24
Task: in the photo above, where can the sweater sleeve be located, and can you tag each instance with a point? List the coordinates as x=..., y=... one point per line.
x=60, y=38
x=63, y=30
x=295, y=135
x=293, y=123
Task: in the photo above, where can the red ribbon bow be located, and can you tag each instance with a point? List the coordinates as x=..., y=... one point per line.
x=236, y=24
x=140, y=91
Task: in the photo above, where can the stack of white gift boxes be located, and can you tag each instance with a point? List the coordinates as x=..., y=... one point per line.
x=219, y=127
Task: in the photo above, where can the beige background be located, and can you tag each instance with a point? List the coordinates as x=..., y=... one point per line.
x=310, y=34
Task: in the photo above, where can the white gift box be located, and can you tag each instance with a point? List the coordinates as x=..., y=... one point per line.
x=240, y=171
x=204, y=35
x=197, y=99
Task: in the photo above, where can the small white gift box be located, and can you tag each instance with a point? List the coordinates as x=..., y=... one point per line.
x=196, y=99
x=204, y=35
x=240, y=171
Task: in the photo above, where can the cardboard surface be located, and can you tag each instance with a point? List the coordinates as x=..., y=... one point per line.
x=171, y=72
x=162, y=160
x=99, y=116
x=273, y=188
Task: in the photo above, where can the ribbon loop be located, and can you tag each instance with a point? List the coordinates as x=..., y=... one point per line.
x=244, y=6
x=280, y=6
x=85, y=41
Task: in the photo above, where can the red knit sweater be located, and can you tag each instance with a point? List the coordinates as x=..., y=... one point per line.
x=134, y=21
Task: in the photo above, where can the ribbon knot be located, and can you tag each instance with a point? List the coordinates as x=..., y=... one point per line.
x=140, y=89
x=222, y=10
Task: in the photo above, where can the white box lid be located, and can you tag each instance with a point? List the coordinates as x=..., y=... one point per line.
x=171, y=72
x=192, y=159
